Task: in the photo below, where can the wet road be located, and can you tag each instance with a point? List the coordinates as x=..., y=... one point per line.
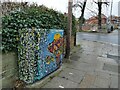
x=110, y=37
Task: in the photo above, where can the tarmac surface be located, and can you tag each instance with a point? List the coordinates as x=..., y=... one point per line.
x=109, y=37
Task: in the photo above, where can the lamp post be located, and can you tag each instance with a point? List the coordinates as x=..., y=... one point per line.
x=119, y=8
x=111, y=11
x=69, y=29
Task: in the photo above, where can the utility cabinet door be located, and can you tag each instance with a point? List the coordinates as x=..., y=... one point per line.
x=55, y=46
x=51, y=52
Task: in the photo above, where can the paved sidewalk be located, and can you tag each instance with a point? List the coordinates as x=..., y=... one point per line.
x=93, y=66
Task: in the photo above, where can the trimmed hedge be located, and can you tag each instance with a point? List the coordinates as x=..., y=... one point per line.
x=28, y=17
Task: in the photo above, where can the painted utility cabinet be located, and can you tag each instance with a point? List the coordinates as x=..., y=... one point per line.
x=40, y=53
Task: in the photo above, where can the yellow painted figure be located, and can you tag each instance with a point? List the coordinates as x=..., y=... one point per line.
x=57, y=36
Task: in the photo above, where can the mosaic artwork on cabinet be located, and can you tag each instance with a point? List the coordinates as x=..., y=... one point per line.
x=26, y=54
x=40, y=53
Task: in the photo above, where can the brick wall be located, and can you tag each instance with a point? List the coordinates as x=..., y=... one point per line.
x=86, y=27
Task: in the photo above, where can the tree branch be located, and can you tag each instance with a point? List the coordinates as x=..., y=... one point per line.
x=107, y=3
x=92, y=11
x=95, y=2
x=77, y=5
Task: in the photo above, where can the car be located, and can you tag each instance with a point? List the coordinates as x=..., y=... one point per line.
x=110, y=27
x=94, y=29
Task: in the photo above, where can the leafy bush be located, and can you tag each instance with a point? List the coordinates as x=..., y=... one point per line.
x=28, y=17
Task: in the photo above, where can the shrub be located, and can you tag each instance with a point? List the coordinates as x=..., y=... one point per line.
x=28, y=17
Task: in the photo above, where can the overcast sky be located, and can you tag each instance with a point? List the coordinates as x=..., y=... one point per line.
x=62, y=6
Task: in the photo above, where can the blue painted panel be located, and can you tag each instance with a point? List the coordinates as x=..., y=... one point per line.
x=50, y=60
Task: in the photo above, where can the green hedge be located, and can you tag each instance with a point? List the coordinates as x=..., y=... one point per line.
x=30, y=16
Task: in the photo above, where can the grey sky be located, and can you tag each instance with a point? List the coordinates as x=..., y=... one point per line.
x=62, y=6
x=93, y=7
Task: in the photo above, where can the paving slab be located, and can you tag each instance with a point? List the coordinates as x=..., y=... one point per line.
x=88, y=59
x=109, y=67
x=107, y=60
x=74, y=57
x=92, y=86
x=108, y=72
x=115, y=57
x=82, y=66
x=72, y=74
x=59, y=82
x=102, y=82
x=103, y=74
x=114, y=81
x=88, y=81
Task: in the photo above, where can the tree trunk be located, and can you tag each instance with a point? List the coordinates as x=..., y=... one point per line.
x=82, y=15
x=99, y=16
x=68, y=33
x=80, y=22
x=75, y=39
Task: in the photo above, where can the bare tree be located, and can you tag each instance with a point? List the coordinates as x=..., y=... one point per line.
x=99, y=15
x=100, y=3
x=82, y=6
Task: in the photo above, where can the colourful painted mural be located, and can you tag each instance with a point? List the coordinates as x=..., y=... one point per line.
x=48, y=54
x=56, y=47
x=40, y=53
